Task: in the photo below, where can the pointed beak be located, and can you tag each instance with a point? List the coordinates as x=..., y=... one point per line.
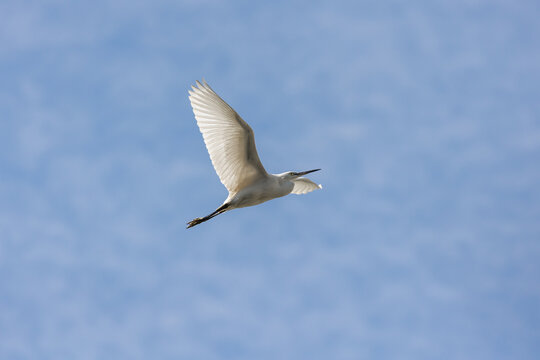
x=301, y=173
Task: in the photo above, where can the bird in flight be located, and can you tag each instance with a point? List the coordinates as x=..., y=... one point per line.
x=231, y=145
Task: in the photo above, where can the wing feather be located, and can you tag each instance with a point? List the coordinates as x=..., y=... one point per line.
x=303, y=185
x=228, y=138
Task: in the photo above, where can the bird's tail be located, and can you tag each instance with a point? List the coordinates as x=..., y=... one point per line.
x=218, y=211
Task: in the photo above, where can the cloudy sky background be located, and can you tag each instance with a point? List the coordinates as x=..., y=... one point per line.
x=424, y=243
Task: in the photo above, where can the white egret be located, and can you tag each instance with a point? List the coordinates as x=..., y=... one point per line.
x=231, y=145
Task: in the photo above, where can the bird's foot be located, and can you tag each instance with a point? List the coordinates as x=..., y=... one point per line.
x=194, y=222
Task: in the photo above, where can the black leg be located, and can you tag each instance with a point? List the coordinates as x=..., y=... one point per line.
x=197, y=221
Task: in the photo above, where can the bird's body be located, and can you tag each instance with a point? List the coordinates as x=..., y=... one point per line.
x=264, y=189
x=231, y=145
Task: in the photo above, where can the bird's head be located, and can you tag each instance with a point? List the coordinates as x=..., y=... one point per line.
x=291, y=175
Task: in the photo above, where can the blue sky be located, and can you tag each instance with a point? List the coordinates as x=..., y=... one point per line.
x=423, y=244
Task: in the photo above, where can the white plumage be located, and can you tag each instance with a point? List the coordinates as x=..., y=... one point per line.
x=231, y=145
x=303, y=185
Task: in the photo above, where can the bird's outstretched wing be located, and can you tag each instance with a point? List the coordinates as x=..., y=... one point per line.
x=228, y=138
x=303, y=185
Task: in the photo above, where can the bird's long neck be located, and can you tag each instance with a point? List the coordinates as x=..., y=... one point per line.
x=284, y=183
